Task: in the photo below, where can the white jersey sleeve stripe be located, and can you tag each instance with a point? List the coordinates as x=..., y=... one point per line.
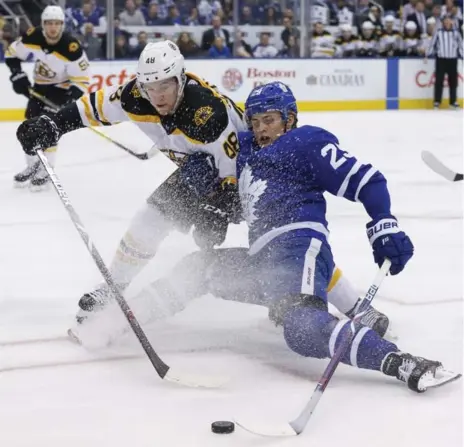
x=88, y=111
x=363, y=182
x=343, y=187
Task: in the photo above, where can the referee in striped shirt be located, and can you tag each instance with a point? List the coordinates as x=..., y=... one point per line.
x=446, y=46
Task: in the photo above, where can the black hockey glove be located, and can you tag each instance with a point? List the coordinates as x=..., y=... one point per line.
x=36, y=133
x=21, y=84
x=199, y=174
x=73, y=93
x=213, y=216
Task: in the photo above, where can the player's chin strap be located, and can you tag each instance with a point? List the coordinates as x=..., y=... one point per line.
x=141, y=156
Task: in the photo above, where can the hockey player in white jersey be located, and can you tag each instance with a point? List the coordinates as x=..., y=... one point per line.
x=181, y=114
x=61, y=74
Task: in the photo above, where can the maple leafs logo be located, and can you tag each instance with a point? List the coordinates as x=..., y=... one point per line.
x=250, y=192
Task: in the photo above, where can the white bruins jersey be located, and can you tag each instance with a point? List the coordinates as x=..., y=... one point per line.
x=410, y=45
x=346, y=47
x=389, y=41
x=322, y=45
x=368, y=44
x=426, y=40
x=205, y=120
x=61, y=65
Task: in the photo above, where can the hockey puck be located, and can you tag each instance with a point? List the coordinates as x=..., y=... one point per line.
x=222, y=427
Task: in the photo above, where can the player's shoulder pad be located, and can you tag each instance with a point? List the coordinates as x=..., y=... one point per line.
x=69, y=47
x=33, y=36
x=133, y=102
x=307, y=135
x=202, y=114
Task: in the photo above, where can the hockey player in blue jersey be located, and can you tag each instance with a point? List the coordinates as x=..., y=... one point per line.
x=283, y=173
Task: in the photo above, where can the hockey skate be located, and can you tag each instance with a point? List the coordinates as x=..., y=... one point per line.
x=40, y=179
x=21, y=180
x=418, y=373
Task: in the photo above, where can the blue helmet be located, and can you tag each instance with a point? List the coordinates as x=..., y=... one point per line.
x=273, y=97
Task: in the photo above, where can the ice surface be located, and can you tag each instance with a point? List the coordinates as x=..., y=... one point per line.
x=44, y=268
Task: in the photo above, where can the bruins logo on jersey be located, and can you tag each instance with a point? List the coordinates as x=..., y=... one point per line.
x=73, y=47
x=135, y=91
x=202, y=115
x=43, y=70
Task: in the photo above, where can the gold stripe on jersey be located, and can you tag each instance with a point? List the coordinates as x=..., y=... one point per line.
x=59, y=56
x=336, y=275
x=88, y=111
x=32, y=46
x=100, y=98
x=144, y=118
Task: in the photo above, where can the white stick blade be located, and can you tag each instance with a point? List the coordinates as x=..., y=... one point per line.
x=193, y=381
x=266, y=429
x=436, y=165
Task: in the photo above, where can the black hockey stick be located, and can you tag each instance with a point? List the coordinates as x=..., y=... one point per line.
x=437, y=166
x=163, y=370
x=143, y=156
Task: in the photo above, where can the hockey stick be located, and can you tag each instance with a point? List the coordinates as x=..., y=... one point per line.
x=163, y=370
x=437, y=166
x=143, y=156
x=296, y=427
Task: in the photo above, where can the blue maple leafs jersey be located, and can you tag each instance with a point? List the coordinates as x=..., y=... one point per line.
x=282, y=185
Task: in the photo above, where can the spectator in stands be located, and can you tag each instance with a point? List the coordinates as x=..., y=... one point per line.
x=375, y=17
x=242, y=49
x=428, y=8
x=289, y=30
x=246, y=16
x=271, y=18
x=122, y=50
x=117, y=32
x=91, y=43
x=152, y=17
x=140, y=5
x=265, y=48
x=436, y=13
x=87, y=14
x=174, y=17
x=142, y=40
x=193, y=19
x=451, y=10
x=206, y=10
x=219, y=50
x=131, y=16
x=216, y=31
x=188, y=46
x=408, y=9
x=418, y=17
x=291, y=49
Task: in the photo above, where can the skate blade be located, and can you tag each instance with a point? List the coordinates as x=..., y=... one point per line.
x=39, y=188
x=20, y=185
x=442, y=377
x=73, y=337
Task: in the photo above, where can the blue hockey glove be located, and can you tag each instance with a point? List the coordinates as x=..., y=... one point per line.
x=199, y=174
x=388, y=241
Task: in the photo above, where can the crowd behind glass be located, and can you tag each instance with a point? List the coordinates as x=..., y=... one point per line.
x=202, y=28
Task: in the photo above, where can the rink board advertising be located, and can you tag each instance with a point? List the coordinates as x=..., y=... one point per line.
x=318, y=84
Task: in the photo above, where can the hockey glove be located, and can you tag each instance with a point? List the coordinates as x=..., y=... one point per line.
x=199, y=174
x=21, y=83
x=36, y=133
x=73, y=94
x=388, y=241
